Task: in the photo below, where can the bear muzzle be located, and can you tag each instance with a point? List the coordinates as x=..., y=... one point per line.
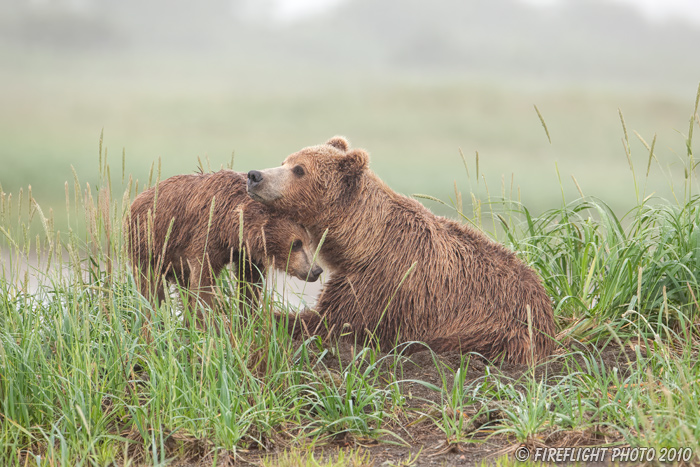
x=254, y=178
x=267, y=185
x=314, y=273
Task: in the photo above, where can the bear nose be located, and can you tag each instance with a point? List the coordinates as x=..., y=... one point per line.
x=254, y=177
x=315, y=272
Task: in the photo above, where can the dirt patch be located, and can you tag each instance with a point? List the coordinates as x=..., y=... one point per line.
x=427, y=444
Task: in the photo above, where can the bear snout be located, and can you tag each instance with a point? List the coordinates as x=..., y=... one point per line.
x=267, y=186
x=254, y=177
x=314, y=273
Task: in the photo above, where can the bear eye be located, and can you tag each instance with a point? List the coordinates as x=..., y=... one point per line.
x=298, y=171
x=296, y=246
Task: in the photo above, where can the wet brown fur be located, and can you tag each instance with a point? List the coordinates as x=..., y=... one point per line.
x=197, y=249
x=463, y=292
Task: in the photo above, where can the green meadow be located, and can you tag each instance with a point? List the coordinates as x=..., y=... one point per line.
x=174, y=114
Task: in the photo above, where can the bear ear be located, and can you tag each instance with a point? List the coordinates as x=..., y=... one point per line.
x=339, y=143
x=357, y=160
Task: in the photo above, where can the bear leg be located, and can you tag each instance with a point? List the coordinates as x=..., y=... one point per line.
x=496, y=349
x=152, y=287
x=250, y=278
x=200, y=287
x=306, y=323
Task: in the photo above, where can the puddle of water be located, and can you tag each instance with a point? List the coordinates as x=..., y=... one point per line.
x=296, y=293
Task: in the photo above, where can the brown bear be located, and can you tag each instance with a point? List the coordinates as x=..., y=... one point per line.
x=187, y=228
x=400, y=273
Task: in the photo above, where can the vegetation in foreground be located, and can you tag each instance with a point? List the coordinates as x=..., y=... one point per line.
x=86, y=379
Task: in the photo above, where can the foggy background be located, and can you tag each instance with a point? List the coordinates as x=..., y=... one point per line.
x=411, y=81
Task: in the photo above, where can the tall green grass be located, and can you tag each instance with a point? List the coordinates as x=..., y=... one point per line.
x=81, y=384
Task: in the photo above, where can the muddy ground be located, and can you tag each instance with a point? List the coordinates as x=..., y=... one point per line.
x=425, y=443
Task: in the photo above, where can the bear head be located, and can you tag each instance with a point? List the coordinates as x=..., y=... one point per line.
x=312, y=181
x=289, y=247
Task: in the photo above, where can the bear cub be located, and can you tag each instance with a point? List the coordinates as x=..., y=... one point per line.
x=188, y=227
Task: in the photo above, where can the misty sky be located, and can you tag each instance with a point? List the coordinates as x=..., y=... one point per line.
x=654, y=9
